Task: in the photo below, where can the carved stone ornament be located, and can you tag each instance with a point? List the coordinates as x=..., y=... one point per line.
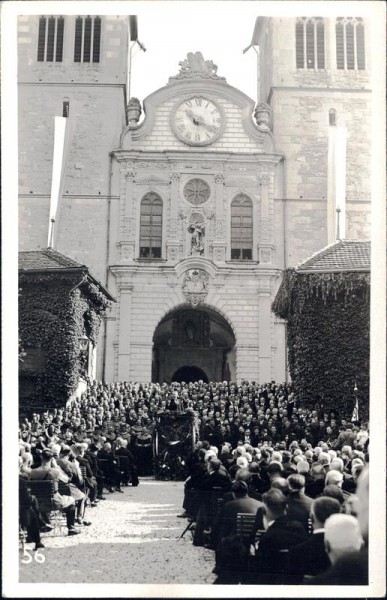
x=195, y=66
x=262, y=115
x=133, y=111
x=195, y=286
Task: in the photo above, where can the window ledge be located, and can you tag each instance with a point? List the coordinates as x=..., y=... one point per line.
x=150, y=260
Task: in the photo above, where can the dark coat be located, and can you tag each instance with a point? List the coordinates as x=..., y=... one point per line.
x=309, y=558
x=270, y=562
x=232, y=508
x=350, y=569
x=299, y=506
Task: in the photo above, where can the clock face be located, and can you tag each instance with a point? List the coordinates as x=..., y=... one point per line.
x=197, y=121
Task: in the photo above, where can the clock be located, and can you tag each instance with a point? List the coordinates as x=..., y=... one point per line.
x=197, y=121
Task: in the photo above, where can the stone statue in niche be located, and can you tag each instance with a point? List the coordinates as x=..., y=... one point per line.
x=197, y=234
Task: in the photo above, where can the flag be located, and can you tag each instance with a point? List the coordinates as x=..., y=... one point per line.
x=133, y=28
x=355, y=412
x=62, y=137
x=337, y=141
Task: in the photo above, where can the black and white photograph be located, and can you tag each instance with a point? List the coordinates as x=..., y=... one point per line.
x=193, y=209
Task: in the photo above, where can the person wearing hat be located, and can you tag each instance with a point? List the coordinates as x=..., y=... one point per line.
x=49, y=471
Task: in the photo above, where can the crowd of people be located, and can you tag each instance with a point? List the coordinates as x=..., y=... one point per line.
x=296, y=468
x=309, y=511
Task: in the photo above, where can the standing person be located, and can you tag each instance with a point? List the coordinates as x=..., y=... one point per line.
x=144, y=452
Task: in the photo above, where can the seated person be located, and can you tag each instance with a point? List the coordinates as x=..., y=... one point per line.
x=311, y=558
x=343, y=541
x=49, y=471
x=131, y=471
x=281, y=534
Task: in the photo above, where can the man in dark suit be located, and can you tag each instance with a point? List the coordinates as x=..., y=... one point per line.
x=111, y=469
x=242, y=503
x=131, y=467
x=281, y=534
x=349, y=561
x=311, y=558
x=299, y=504
x=212, y=486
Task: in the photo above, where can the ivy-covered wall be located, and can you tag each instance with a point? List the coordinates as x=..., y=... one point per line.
x=55, y=310
x=328, y=326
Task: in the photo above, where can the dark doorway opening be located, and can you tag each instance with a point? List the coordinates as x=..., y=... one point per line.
x=189, y=375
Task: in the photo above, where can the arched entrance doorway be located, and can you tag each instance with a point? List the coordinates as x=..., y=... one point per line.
x=193, y=344
x=189, y=375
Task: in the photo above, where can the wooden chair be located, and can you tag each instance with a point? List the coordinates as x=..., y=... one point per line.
x=44, y=491
x=245, y=525
x=84, y=487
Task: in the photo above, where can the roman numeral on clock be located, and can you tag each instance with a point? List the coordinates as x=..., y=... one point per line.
x=198, y=101
x=197, y=137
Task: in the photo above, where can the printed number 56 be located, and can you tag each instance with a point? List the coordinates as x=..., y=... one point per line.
x=38, y=557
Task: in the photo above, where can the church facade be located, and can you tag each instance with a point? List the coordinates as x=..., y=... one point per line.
x=190, y=214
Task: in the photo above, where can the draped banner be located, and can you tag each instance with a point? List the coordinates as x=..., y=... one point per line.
x=62, y=137
x=337, y=141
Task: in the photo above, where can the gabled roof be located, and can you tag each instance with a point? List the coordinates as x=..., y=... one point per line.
x=48, y=260
x=40, y=260
x=343, y=255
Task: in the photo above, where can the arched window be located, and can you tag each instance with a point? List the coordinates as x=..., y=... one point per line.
x=310, y=46
x=242, y=228
x=350, y=52
x=151, y=221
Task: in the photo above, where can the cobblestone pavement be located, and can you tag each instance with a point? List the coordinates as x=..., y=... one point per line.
x=132, y=539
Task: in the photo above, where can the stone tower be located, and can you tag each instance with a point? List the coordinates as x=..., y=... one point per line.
x=316, y=73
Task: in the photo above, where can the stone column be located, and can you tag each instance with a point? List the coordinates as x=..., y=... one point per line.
x=125, y=288
x=127, y=225
x=265, y=336
x=173, y=242
x=266, y=241
x=219, y=245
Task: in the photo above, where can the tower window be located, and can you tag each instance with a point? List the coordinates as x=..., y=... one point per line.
x=350, y=51
x=66, y=108
x=310, y=43
x=242, y=228
x=151, y=221
x=332, y=117
x=50, y=39
x=87, y=39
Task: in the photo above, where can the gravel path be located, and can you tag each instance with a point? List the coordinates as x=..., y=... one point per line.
x=132, y=539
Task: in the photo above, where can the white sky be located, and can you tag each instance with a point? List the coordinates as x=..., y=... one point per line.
x=211, y=28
